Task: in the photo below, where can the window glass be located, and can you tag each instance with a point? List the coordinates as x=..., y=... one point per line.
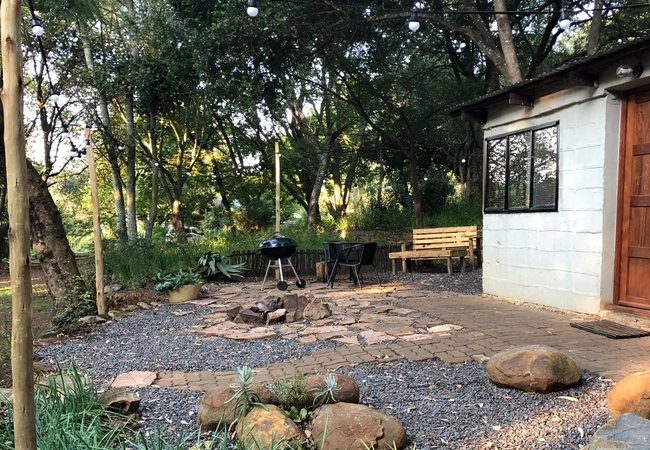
x=496, y=188
x=522, y=171
x=519, y=170
x=545, y=166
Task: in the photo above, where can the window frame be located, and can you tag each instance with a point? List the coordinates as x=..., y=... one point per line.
x=506, y=209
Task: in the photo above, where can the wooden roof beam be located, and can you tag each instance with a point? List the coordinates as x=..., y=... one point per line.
x=520, y=100
x=474, y=116
x=582, y=79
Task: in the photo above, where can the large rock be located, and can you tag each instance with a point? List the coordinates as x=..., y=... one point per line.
x=316, y=310
x=269, y=303
x=534, y=368
x=631, y=395
x=628, y=431
x=347, y=426
x=276, y=316
x=265, y=425
x=295, y=305
x=346, y=390
x=121, y=400
x=216, y=411
x=248, y=316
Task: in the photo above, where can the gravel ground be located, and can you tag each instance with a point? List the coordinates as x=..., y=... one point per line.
x=441, y=406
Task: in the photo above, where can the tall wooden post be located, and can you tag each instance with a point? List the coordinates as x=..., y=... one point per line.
x=277, y=188
x=97, y=230
x=22, y=356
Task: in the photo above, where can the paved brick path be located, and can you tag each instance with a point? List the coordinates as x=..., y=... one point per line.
x=489, y=326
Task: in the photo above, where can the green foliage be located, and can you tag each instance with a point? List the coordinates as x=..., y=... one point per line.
x=245, y=397
x=435, y=191
x=173, y=280
x=68, y=319
x=158, y=441
x=298, y=415
x=212, y=263
x=68, y=416
x=142, y=263
x=458, y=212
x=324, y=393
x=382, y=216
x=289, y=391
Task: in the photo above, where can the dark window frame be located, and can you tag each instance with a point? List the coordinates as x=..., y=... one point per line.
x=506, y=209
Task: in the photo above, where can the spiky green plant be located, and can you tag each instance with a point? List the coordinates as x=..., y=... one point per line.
x=244, y=396
x=290, y=391
x=212, y=263
x=324, y=393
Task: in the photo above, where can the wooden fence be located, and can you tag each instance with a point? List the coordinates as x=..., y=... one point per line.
x=304, y=261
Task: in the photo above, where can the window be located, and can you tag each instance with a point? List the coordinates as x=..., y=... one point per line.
x=522, y=171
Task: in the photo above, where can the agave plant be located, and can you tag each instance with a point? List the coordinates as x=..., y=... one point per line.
x=212, y=263
x=245, y=397
x=325, y=392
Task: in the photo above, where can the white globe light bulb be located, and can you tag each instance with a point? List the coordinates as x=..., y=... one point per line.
x=65, y=135
x=38, y=31
x=55, y=98
x=414, y=26
x=252, y=11
x=565, y=24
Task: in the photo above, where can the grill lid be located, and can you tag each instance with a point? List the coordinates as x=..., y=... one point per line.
x=277, y=242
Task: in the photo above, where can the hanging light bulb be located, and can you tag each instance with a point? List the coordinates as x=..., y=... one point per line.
x=120, y=147
x=73, y=150
x=156, y=164
x=37, y=28
x=414, y=22
x=188, y=173
x=65, y=134
x=252, y=8
x=54, y=95
x=564, y=23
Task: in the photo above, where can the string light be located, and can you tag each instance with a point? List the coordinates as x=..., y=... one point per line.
x=37, y=28
x=252, y=10
x=564, y=23
x=414, y=22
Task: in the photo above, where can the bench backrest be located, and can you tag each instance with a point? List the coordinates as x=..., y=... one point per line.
x=436, y=238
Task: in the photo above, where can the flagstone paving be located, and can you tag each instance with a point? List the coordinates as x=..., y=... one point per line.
x=399, y=321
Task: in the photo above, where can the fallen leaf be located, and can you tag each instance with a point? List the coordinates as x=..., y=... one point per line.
x=496, y=427
x=480, y=405
x=582, y=433
x=507, y=397
x=571, y=399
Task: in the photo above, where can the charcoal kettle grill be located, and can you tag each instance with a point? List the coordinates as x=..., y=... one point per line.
x=276, y=249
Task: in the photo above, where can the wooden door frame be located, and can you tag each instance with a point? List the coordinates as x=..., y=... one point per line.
x=620, y=200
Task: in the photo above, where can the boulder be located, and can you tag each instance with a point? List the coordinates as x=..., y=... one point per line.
x=346, y=390
x=533, y=368
x=121, y=400
x=316, y=310
x=275, y=316
x=232, y=310
x=215, y=410
x=295, y=305
x=631, y=395
x=269, y=303
x=266, y=425
x=627, y=431
x=248, y=316
x=347, y=426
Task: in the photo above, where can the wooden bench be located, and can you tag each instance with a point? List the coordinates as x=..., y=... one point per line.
x=439, y=243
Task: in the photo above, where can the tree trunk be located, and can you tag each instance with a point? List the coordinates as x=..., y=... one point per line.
x=417, y=201
x=118, y=193
x=50, y=243
x=594, y=30
x=22, y=366
x=513, y=71
x=131, y=219
x=153, y=211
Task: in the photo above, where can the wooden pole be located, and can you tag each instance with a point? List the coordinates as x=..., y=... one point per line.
x=277, y=188
x=22, y=352
x=97, y=230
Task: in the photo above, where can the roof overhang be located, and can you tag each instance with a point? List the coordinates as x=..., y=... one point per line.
x=581, y=72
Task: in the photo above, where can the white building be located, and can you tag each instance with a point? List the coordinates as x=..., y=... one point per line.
x=567, y=183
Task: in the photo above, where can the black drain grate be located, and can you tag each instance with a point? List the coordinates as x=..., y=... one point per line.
x=610, y=329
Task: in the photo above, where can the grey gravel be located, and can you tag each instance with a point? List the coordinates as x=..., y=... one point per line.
x=441, y=406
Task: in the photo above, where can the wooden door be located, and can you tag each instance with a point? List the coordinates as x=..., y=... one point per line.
x=634, y=268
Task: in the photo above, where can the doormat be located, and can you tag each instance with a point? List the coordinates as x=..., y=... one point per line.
x=610, y=329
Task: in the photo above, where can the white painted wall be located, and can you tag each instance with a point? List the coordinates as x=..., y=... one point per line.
x=563, y=259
